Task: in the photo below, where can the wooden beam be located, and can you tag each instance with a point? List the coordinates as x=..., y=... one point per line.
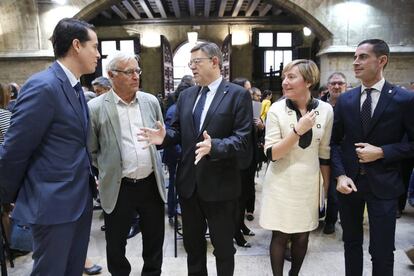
x=265, y=9
x=146, y=8
x=119, y=12
x=191, y=7
x=131, y=9
x=222, y=8
x=161, y=8
x=176, y=8
x=252, y=7
x=207, y=6
x=237, y=8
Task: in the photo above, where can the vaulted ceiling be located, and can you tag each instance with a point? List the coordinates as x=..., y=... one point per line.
x=193, y=11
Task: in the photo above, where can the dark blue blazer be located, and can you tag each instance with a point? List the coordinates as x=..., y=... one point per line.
x=392, y=118
x=228, y=121
x=44, y=159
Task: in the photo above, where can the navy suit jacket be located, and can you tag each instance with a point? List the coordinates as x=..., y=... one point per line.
x=44, y=159
x=393, y=117
x=228, y=121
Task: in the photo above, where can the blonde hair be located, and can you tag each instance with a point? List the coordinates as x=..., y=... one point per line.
x=307, y=68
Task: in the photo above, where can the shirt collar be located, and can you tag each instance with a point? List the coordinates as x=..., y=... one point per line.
x=378, y=86
x=71, y=77
x=118, y=99
x=215, y=84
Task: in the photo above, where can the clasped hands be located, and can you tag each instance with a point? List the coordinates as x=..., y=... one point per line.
x=156, y=137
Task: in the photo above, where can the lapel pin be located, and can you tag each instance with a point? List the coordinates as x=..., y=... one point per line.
x=225, y=92
x=390, y=91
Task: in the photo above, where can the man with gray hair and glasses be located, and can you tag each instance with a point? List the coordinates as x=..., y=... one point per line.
x=130, y=176
x=212, y=123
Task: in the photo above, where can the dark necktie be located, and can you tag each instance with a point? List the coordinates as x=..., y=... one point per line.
x=366, y=111
x=82, y=102
x=198, y=110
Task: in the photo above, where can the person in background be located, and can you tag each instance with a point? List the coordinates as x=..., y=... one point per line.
x=14, y=89
x=172, y=154
x=266, y=103
x=298, y=131
x=243, y=82
x=336, y=86
x=101, y=85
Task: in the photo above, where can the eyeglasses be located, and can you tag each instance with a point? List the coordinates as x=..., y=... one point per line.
x=340, y=83
x=129, y=72
x=197, y=61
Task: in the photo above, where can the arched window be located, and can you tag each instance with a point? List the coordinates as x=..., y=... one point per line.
x=181, y=58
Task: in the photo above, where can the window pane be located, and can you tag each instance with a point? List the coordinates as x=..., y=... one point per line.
x=127, y=46
x=287, y=57
x=104, y=63
x=108, y=47
x=265, y=39
x=284, y=39
x=269, y=61
x=278, y=59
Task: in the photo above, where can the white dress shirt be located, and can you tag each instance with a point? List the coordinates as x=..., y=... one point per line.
x=72, y=79
x=136, y=161
x=375, y=94
x=209, y=98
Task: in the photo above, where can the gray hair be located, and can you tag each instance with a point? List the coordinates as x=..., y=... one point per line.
x=211, y=50
x=102, y=81
x=116, y=56
x=342, y=75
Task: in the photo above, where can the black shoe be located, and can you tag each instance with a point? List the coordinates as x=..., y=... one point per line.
x=171, y=221
x=249, y=216
x=247, y=232
x=103, y=227
x=398, y=213
x=93, y=270
x=288, y=255
x=244, y=244
x=329, y=228
x=133, y=231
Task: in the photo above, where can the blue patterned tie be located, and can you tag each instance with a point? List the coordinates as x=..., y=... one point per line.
x=366, y=111
x=82, y=101
x=198, y=110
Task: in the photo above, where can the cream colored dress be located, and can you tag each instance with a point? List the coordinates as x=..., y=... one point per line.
x=290, y=200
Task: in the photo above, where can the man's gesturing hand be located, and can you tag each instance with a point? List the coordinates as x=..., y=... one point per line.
x=152, y=136
x=203, y=148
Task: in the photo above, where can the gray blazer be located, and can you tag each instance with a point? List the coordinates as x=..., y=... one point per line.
x=105, y=144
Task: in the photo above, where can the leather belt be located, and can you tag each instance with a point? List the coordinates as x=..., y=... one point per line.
x=128, y=180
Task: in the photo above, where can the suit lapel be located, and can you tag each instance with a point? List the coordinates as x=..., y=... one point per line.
x=220, y=93
x=70, y=94
x=386, y=95
x=112, y=113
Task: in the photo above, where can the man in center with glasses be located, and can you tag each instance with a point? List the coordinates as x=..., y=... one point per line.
x=212, y=123
x=130, y=176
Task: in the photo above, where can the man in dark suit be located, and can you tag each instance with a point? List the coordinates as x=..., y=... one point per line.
x=44, y=159
x=212, y=123
x=370, y=122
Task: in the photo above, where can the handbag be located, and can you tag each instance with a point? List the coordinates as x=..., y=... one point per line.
x=21, y=236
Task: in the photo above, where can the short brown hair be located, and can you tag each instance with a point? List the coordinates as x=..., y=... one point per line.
x=4, y=95
x=307, y=68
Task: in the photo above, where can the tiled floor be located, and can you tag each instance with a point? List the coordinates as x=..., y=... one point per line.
x=324, y=257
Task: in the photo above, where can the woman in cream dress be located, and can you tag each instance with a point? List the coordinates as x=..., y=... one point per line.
x=298, y=131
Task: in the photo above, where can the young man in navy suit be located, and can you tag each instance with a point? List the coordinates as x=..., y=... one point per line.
x=367, y=151
x=212, y=123
x=44, y=160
